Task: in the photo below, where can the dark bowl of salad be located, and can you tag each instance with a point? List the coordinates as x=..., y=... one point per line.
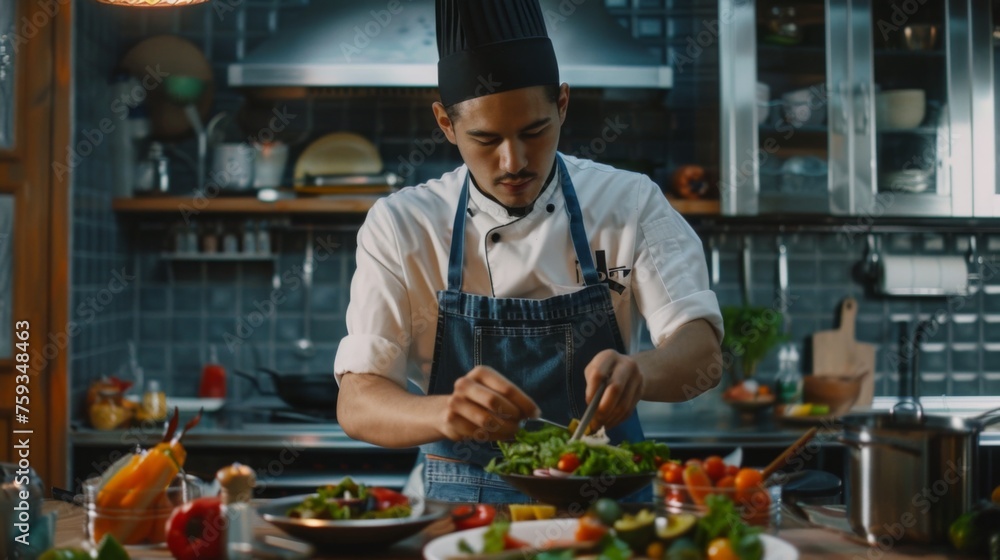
x=349, y=513
x=547, y=466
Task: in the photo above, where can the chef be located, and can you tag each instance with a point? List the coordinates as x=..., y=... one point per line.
x=514, y=285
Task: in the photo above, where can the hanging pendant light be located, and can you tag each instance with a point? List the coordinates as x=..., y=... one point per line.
x=152, y=3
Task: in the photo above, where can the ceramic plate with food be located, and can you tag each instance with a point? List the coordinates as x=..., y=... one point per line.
x=349, y=513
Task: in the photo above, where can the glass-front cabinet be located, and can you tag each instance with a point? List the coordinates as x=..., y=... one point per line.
x=857, y=107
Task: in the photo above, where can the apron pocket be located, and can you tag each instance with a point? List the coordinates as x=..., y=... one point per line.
x=540, y=360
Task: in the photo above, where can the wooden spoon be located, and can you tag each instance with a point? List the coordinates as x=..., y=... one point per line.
x=787, y=454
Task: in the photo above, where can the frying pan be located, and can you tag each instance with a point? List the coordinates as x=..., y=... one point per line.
x=302, y=391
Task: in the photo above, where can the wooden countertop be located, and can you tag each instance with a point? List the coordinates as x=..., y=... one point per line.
x=812, y=543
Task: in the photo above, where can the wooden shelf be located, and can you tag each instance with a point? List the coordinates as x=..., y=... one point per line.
x=246, y=205
x=695, y=207
x=319, y=205
x=219, y=257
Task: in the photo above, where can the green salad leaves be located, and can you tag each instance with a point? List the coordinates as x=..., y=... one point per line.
x=544, y=448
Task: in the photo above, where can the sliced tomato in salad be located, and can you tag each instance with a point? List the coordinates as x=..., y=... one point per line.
x=386, y=498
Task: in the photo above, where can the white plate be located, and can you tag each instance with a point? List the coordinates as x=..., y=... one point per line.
x=537, y=533
x=194, y=405
x=188, y=404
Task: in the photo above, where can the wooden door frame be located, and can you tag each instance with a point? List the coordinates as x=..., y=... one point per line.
x=59, y=245
x=41, y=287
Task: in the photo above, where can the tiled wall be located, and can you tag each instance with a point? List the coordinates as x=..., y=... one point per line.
x=962, y=356
x=181, y=308
x=102, y=292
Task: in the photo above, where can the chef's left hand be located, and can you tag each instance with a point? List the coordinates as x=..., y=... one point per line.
x=624, y=386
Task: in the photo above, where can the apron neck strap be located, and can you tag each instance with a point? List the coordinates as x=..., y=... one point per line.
x=577, y=231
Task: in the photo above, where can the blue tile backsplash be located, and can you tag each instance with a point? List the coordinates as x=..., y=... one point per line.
x=176, y=310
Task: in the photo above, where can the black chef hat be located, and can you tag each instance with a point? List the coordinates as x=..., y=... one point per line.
x=490, y=46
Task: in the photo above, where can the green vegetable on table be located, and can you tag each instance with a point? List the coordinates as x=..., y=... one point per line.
x=544, y=448
x=723, y=521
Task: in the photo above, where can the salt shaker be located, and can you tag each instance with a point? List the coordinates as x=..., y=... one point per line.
x=237, y=483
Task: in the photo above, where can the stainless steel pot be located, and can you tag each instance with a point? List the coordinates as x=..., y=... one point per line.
x=911, y=475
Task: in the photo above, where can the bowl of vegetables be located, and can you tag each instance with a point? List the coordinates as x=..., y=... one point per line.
x=610, y=531
x=688, y=487
x=350, y=513
x=135, y=515
x=546, y=466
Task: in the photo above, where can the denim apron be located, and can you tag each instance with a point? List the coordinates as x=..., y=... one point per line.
x=542, y=346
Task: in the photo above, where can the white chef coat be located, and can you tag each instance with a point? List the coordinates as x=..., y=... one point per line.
x=654, y=263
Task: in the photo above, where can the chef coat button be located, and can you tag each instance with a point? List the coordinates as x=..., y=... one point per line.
x=495, y=237
x=550, y=208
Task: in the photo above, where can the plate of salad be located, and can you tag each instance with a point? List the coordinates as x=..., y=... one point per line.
x=546, y=466
x=350, y=513
x=608, y=533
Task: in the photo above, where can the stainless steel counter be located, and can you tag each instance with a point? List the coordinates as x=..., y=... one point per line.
x=680, y=425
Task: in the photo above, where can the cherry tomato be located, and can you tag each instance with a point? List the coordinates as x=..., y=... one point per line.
x=748, y=481
x=470, y=517
x=715, y=468
x=590, y=529
x=731, y=470
x=568, y=462
x=386, y=498
x=721, y=549
x=726, y=482
x=690, y=462
x=672, y=473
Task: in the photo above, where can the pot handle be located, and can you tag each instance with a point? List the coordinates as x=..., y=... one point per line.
x=985, y=420
x=253, y=379
x=858, y=444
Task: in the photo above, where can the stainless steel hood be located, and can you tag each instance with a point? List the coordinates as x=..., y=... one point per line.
x=336, y=43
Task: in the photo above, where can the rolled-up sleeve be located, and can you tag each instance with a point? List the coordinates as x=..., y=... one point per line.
x=378, y=315
x=671, y=285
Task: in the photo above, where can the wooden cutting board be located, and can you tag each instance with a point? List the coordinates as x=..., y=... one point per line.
x=837, y=353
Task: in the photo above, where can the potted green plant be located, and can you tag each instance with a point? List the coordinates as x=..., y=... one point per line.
x=751, y=333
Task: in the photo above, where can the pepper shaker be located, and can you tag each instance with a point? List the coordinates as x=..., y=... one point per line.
x=237, y=483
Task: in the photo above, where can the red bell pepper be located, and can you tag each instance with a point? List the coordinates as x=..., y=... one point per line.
x=195, y=530
x=470, y=517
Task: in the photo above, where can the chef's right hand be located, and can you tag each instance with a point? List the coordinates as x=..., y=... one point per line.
x=485, y=406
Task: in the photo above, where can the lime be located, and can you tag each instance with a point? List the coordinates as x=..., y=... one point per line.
x=819, y=410
x=64, y=554
x=110, y=549
x=962, y=533
x=608, y=511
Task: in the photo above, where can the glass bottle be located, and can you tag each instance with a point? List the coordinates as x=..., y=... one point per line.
x=789, y=380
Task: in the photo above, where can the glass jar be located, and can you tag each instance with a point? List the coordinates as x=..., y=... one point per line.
x=107, y=412
x=154, y=402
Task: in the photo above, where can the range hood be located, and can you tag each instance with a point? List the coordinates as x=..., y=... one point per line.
x=349, y=44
